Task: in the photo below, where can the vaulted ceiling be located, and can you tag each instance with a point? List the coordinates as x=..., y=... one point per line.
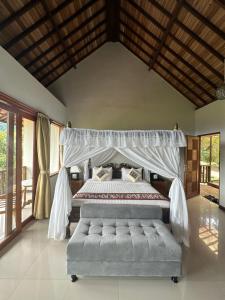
x=182, y=40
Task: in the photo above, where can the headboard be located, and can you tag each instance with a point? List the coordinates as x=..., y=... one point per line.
x=117, y=173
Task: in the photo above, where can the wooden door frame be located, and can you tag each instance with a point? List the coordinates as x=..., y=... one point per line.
x=186, y=167
x=21, y=111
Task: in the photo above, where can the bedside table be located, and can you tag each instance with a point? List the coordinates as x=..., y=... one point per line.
x=75, y=185
x=163, y=186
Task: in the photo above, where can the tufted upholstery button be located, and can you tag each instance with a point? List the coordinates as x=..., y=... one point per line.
x=114, y=235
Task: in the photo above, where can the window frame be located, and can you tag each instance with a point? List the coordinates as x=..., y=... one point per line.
x=60, y=126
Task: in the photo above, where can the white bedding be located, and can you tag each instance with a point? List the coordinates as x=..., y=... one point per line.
x=118, y=186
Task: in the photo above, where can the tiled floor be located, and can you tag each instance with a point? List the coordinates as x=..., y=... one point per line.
x=209, y=190
x=34, y=268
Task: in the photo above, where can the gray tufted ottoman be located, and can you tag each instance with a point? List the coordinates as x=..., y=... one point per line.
x=120, y=240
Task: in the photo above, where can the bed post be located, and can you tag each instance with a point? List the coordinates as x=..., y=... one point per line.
x=68, y=125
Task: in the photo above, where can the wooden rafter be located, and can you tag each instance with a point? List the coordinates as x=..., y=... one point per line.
x=112, y=16
x=193, y=69
x=44, y=19
x=58, y=43
x=77, y=61
x=180, y=43
x=74, y=44
x=175, y=77
x=69, y=35
x=179, y=23
x=31, y=4
x=221, y=3
x=188, y=31
x=204, y=20
x=187, y=49
x=60, y=26
x=175, y=66
x=75, y=54
x=55, y=25
x=166, y=79
x=169, y=26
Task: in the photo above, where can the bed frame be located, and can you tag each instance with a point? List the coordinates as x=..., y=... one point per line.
x=117, y=174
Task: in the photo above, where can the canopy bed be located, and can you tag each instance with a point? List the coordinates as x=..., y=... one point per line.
x=154, y=150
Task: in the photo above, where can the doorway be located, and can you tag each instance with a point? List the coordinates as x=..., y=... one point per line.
x=210, y=166
x=17, y=169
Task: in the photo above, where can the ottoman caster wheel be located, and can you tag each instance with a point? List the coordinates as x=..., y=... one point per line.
x=174, y=279
x=74, y=278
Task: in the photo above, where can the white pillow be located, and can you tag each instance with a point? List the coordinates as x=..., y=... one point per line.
x=134, y=175
x=107, y=176
x=125, y=173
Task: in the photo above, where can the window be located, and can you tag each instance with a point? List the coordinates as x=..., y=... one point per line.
x=54, y=148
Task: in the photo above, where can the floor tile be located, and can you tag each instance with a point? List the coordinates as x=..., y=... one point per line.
x=35, y=267
x=7, y=287
x=93, y=288
x=40, y=290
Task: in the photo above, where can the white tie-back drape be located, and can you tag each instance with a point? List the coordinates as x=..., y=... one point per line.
x=80, y=145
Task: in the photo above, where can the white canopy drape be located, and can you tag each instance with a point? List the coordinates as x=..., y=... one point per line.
x=157, y=151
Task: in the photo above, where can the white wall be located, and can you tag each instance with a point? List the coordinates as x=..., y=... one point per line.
x=17, y=82
x=112, y=89
x=211, y=119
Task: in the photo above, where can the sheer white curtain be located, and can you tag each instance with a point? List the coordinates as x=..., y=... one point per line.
x=62, y=201
x=124, y=138
x=98, y=160
x=161, y=159
x=166, y=162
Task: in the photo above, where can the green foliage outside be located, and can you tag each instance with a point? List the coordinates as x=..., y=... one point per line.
x=205, y=150
x=3, y=146
x=215, y=155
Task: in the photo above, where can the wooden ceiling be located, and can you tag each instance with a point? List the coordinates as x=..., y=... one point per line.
x=182, y=40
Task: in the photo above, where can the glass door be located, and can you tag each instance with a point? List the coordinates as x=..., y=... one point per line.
x=28, y=127
x=8, y=173
x=210, y=167
x=17, y=161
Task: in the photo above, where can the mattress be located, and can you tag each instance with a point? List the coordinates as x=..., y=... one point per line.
x=119, y=192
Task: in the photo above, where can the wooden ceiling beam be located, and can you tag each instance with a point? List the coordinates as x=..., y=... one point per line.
x=60, y=37
x=57, y=76
x=178, y=88
x=166, y=79
x=13, y=17
x=221, y=3
x=44, y=19
x=78, y=61
x=172, y=75
x=183, y=27
x=60, y=26
x=175, y=66
x=182, y=83
x=74, y=44
x=180, y=43
x=112, y=16
x=204, y=20
x=55, y=25
x=77, y=52
x=58, y=44
x=193, y=69
x=165, y=35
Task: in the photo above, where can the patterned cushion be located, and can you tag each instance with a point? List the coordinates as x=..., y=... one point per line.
x=134, y=175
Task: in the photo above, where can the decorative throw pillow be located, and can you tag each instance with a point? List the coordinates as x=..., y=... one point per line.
x=98, y=173
x=125, y=173
x=102, y=174
x=134, y=175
